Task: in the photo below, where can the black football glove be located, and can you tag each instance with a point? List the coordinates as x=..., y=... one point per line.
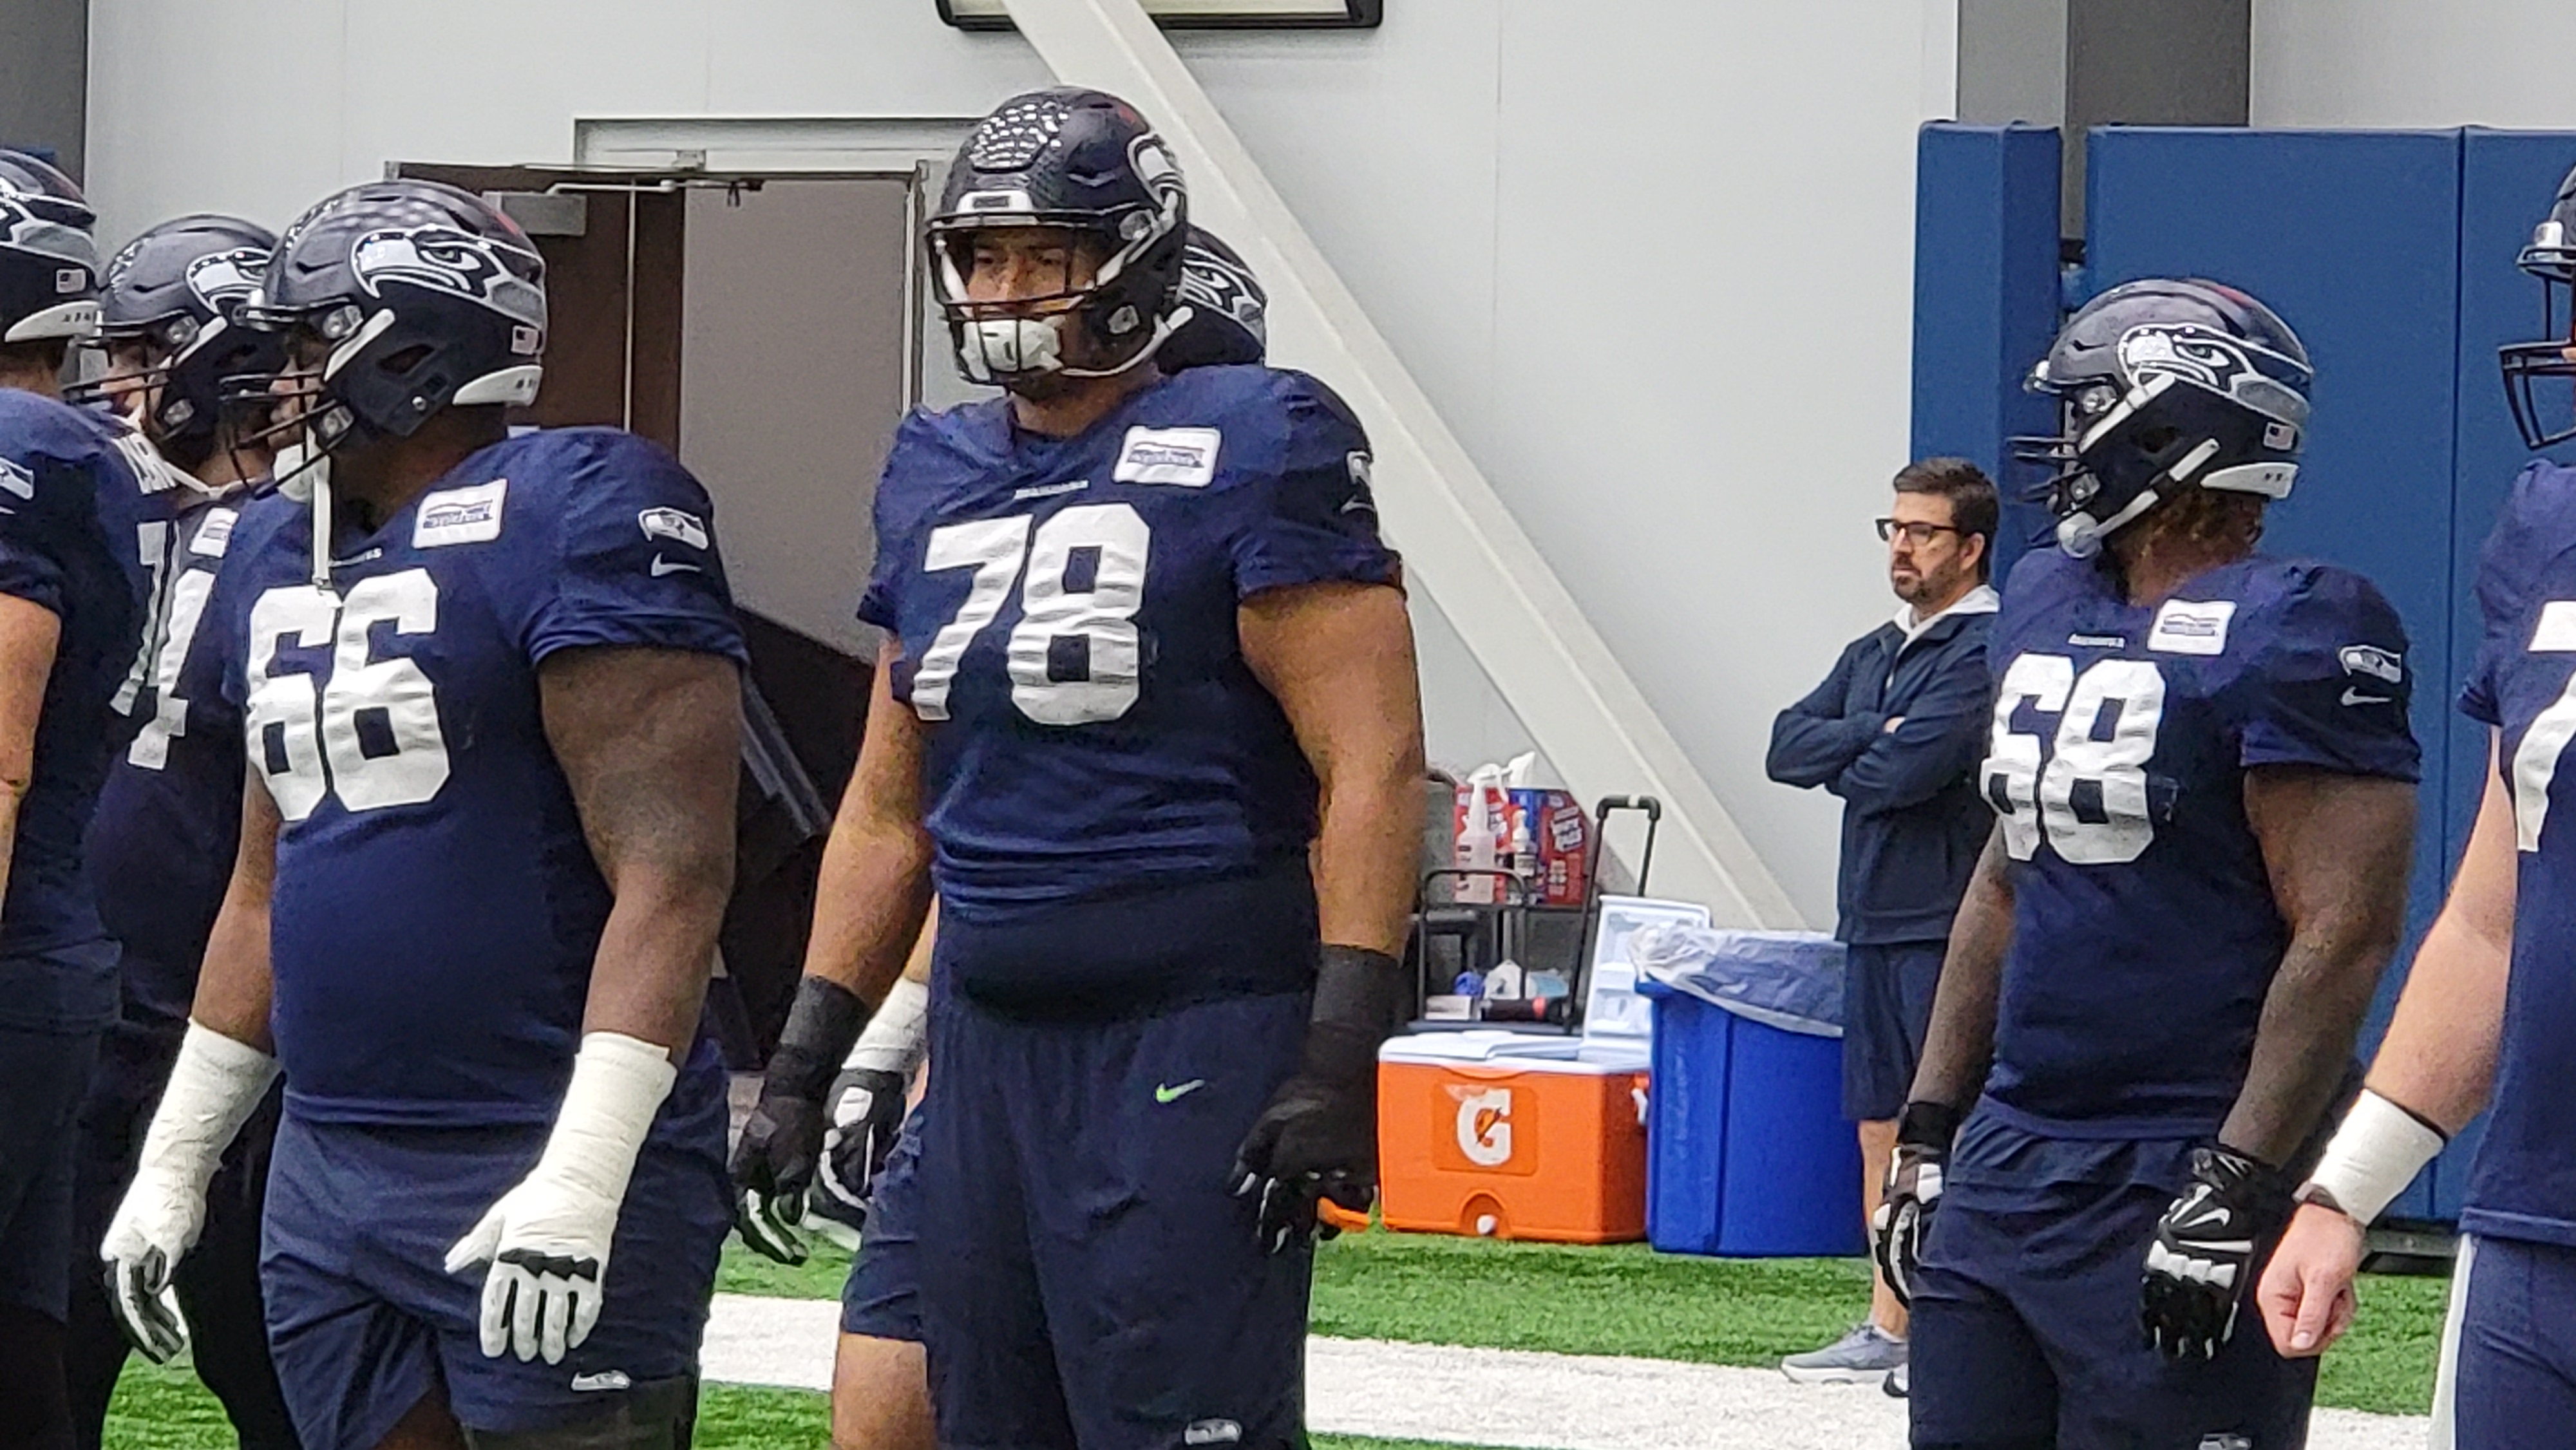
x=1904, y=1218
x=2206, y=1248
x=867, y=1113
x=1317, y=1138
x=782, y=1141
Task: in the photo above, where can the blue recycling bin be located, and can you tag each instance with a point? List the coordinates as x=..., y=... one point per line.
x=1747, y=1152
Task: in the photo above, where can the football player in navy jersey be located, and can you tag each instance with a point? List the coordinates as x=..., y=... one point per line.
x=491, y=701
x=1145, y=647
x=77, y=518
x=2488, y=1017
x=161, y=845
x=867, y=1174
x=2205, y=784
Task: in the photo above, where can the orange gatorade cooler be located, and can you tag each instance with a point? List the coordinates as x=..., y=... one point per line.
x=1512, y=1136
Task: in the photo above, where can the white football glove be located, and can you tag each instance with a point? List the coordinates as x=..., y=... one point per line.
x=868, y=1098
x=547, y=1240
x=215, y=1086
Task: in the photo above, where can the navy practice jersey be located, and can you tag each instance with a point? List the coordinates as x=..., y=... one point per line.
x=2524, y=683
x=2145, y=933
x=436, y=907
x=1067, y=612
x=161, y=845
x=80, y=526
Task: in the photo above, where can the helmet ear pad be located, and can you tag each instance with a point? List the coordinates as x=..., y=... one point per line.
x=412, y=357
x=2167, y=435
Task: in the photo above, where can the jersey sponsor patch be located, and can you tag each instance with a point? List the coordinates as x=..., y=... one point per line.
x=2188, y=627
x=460, y=515
x=677, y=525
x=1185, y=457
x=2556, y=629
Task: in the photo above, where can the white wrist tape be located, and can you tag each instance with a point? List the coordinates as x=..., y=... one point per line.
x=215, y=1086
x=898, y=1035
x=618, y=1084
x=2375, y=1154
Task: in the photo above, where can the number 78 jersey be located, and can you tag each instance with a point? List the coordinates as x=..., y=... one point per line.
x=1066, y=609
x=2145, y=932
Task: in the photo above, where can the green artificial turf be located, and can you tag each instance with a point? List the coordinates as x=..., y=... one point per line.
x=1426, y=1289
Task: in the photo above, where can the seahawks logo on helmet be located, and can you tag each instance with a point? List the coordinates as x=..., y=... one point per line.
x=448, y=260
x=1209, y=283
x=222, y=279
x=24, y=229
x=2193, y=354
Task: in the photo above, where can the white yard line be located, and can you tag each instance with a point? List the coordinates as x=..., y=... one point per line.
x=1500, y=1397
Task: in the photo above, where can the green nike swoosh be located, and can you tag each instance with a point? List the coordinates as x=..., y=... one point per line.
x=1167, y=1093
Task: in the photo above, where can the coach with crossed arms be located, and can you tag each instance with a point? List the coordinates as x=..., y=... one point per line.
x=1896, y=730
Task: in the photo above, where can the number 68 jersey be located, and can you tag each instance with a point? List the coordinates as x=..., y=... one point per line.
x=437, y=906
x=2145, y=933
x=1066, y=608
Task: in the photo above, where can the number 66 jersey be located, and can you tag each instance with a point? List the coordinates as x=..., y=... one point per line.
x=1067, y=608
x=2145, y=932
x=437, y=906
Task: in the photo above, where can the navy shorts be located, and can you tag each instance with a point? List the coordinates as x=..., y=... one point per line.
x=882, y=1298
x=2509, y=1359
x=2026, y=1331
x=1086, y=1277
x=1887, y=1007
x=43, y=1077
x=364, y=1318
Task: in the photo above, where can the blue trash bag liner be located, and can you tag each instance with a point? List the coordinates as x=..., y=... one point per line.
x=1792, y=980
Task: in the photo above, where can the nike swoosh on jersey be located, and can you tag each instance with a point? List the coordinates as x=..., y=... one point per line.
x=1168, y=1093
x=2356, y=697
x=662, y=566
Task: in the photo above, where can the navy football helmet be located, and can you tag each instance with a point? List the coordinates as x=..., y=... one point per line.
x=176, y=293
x=409, y=297
x=2551, y=257
x=2162, y=385
x=48, y=257
x=1085, y=162
x=1227, y=320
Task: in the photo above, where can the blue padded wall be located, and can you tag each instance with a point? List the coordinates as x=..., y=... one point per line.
x=1985, y=299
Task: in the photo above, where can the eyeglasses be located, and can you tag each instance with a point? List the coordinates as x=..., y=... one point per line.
x=1916, y=534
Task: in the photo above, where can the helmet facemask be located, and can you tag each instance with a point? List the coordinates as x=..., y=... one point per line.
x=2540, y=376
x=1086, y=321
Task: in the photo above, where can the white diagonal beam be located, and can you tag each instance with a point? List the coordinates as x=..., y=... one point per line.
x=1460, y=543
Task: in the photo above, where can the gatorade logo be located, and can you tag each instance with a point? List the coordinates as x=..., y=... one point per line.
x=1485, y=1126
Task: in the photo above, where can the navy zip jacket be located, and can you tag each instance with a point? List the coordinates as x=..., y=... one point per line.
x=1913, y=823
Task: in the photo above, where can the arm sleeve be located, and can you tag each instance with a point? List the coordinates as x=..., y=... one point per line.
x=1317, y=519
x=2321, y=693
x=1941, y=741
x=1813, y=741
x=636, y=562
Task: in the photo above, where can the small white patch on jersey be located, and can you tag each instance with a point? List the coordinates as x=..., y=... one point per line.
x=2098, y=641
x=662, y=566
x=677, y=525
x=1182, y=456
x=17, y=479
x=1050, y=490
x=2189, y=627
x=215, y=534
x=459, y=515
x=607, y=1379
x=2557, y=627
x=1212, y=1432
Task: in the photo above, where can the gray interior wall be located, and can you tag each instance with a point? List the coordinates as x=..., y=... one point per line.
x=792, y=378
x=2407, y=63
x=44, y=77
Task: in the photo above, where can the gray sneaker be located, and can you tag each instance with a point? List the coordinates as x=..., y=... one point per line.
x=1864, y=1356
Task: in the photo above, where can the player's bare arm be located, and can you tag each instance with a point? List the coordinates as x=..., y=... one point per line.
x=29, y=635
x=2337, y=849
x=1339, y=659
x=1957, y=1049
x=223, y=1070
x=649, y=741
x=870, y=903
x=2434, y=1072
